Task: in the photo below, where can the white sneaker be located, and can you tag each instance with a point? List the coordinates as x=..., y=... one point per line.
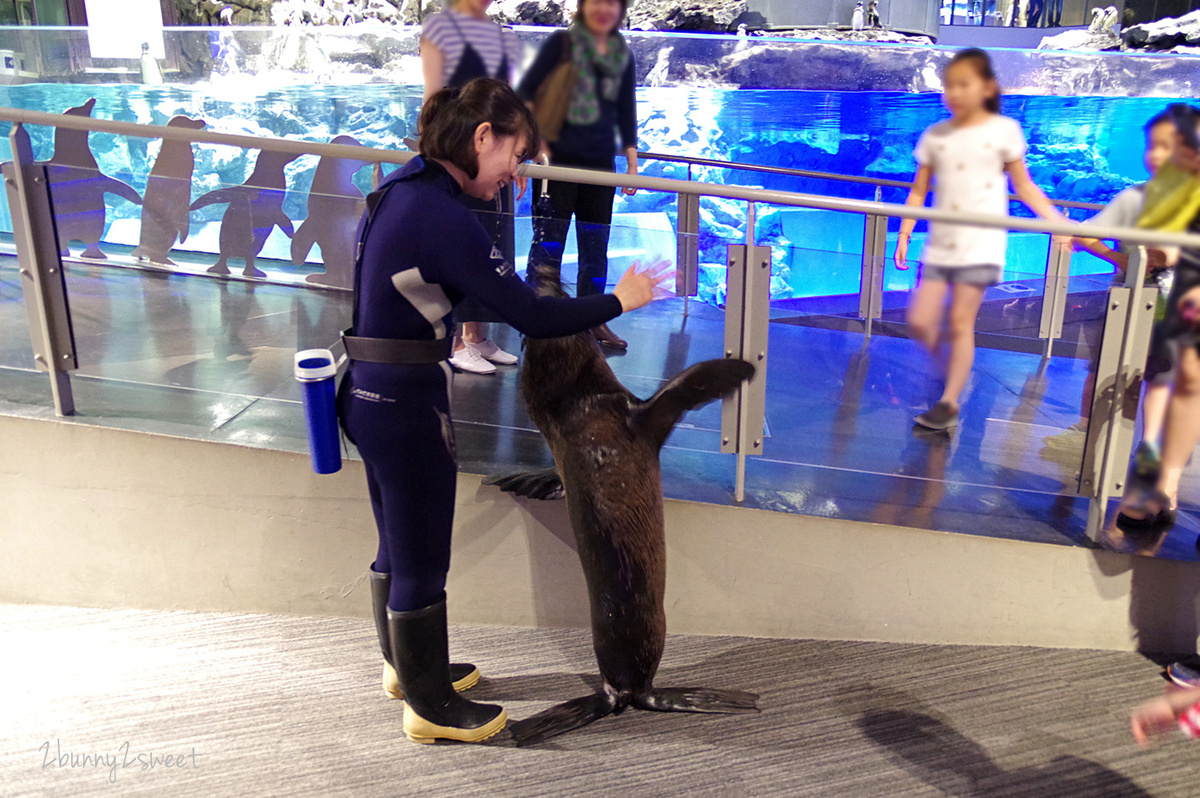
x=490, y=351
x=469, y=360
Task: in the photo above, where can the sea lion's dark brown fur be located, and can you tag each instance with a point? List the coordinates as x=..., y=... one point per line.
x=605, y=443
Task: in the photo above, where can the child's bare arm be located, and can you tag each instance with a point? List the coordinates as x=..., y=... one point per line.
x=916, y=196
x=1029, y=193
x=1104, y=252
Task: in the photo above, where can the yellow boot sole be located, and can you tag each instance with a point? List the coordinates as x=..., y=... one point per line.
x=422, y=731
x=391, y=682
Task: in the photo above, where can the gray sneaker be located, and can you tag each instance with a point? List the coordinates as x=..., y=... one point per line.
x=940, y=416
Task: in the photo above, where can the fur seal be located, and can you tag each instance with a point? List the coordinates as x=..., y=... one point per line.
x=335, y=205
x=606, y=443
x=78, y=188
x=168, y=197
x=255, y=207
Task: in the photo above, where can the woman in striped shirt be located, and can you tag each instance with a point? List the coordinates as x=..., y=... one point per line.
x=457, y=46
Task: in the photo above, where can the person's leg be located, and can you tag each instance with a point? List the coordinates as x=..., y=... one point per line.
x=925, y=312
x=964, y=308
x=499, y=224
x=1182, y=431
x=593, y=224
x=407, y=439
x=383, y=561
x=550, y=232
x=1154, y=411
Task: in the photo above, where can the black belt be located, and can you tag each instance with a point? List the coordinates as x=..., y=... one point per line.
x=397, y=351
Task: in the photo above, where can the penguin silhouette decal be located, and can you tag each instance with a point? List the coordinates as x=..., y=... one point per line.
x=78, y=188
x=255, y=207
x=335, y=206
x=168, y=197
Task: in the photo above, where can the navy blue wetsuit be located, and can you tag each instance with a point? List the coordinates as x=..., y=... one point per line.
x=424, y=252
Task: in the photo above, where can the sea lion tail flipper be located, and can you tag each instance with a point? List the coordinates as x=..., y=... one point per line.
x=545, y=484
x=690, y=388
x=697, y=699
x=574, y=714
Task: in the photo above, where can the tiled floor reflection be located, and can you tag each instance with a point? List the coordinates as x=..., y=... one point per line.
x=211, y=359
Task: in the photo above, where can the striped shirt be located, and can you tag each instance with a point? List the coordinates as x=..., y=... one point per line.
x=489, y=39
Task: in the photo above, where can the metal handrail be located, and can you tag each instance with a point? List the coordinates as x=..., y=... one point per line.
x=834, y=176
x=1129, y=235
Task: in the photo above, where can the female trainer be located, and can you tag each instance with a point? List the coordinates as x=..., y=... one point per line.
x=421, y=252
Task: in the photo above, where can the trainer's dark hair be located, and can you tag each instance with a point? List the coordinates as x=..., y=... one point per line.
x=450, y=118
x=620, y=20
x=982, y=63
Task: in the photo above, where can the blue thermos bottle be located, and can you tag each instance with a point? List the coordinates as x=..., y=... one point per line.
x=316, y=370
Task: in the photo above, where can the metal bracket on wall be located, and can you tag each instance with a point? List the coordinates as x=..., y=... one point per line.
x=1054, y=296
x=43, y=282
x=747, y=322
x=1128, y=324
x=687, y=248
x=870, y=294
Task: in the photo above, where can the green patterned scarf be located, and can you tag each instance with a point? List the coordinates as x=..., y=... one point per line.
x=585, y=101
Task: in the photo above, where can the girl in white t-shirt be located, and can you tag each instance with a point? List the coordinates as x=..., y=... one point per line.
x=969, y=158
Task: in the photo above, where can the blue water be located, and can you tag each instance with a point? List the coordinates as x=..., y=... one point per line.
x=1081, y=148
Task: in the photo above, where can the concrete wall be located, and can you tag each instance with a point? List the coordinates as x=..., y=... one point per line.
x=107, y=518
x=987, y=38
x=909, y=16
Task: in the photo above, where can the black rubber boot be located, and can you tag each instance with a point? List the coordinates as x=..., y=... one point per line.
x=464, y=675
x=433, y=710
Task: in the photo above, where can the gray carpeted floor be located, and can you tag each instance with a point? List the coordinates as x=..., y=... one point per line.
x=276, y=705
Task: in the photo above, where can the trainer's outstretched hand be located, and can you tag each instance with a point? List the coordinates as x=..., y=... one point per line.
x=640, y=285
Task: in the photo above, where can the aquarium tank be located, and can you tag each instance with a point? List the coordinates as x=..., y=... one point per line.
x=852, y=109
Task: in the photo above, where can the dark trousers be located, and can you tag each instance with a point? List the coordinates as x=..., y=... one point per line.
x=592, y=207
x=496, y=216
x=1054, y=13
x=399, y=417
x=1034, y=16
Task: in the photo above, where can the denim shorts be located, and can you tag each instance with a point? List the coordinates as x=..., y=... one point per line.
x=986, y=275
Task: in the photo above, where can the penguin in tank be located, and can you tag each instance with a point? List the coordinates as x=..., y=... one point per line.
x=856, y=20
x=606, y=443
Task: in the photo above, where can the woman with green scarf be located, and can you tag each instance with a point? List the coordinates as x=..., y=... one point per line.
x=602, y=107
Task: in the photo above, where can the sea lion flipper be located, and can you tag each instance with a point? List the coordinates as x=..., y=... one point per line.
x=573, y=714
x=697, y=699
x=690, y=388
x=545, y=485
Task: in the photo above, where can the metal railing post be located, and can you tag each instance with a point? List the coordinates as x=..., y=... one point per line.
x=870, y=291
x=1054, y=296
x=747, y=323
x=43, y=283
x=687, y=245
x=1129, y=320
